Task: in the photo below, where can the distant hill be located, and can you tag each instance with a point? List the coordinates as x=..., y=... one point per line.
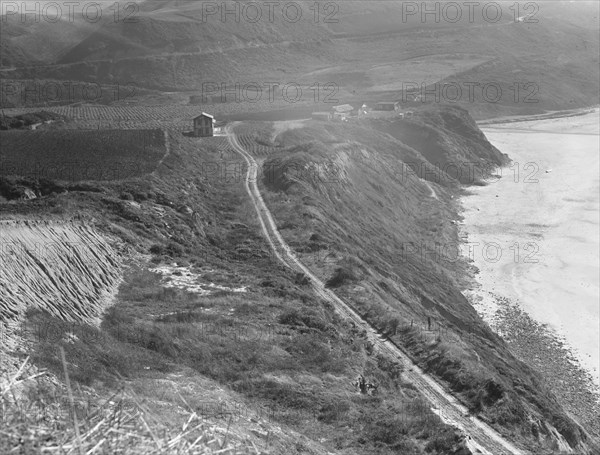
x=365, y=48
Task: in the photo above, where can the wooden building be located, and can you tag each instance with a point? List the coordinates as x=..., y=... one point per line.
x=203, y=125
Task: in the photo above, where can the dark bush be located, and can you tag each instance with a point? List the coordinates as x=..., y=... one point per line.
x=140, y=196
x=314, y=353
x=46, y=186
x=308, y=318
x=341, y=276
x=85, y=187
x=333, y=411
x=443, y=443
x=301, y=279
x=174, y=249
x=290, y=317
x=389, y=430
x=156, y=249
x=9, y=189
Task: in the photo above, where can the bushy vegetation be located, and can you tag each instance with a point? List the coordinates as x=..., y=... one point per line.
x=341, y=276
x=266, y=359
x=42, y=415
x=24, y=121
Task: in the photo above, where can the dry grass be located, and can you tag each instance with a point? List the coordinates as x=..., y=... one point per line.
x=39, y=415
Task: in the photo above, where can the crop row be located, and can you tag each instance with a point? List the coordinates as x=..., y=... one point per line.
x=75, y=155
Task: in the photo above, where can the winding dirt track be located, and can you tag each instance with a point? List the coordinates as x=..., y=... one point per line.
x=483, y=438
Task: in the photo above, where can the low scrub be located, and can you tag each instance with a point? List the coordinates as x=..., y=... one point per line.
x=341, y=276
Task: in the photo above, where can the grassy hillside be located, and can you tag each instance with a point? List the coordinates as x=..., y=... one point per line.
x=206, y=308
x=244, y=344
x=390, y=248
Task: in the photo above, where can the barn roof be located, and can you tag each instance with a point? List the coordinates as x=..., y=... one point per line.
x=343, y=108
x=204, y=114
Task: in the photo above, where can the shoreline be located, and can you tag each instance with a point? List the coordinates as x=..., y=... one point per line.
x=524, y=304
x=546, y=352
x=566, y=113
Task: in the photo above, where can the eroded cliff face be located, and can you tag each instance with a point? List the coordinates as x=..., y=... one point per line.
x=65, y=268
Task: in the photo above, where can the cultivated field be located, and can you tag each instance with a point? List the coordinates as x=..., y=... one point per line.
x=398, y=74
x=166, y=116
x=119, y=115
x=75, y=155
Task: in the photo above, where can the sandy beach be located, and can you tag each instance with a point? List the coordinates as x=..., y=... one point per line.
x=534, y=234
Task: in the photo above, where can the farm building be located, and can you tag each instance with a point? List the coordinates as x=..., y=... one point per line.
x=342, y=112
x=321, y=116
x=341, y=116
x=343, y=108
x=387, y=106
x=203, y=125
x=219, y=128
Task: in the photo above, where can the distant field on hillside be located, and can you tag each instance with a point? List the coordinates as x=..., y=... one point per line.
x=395, y=75
x=75, y=155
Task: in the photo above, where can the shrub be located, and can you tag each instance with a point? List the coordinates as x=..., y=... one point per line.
x=444, y=442
x=174, y=249
x=301, y=279
x=341, y=276
x=290, y=317
x=309, y=318
x=285, y=395
x=46, y=186
x=389, y=430
x=333, y=411
x=86, y=187
x=156, y=249
x=314, y=353
x=140, y=196
x=9, y=189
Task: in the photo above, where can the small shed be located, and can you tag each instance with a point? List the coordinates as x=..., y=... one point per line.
x=203, y=125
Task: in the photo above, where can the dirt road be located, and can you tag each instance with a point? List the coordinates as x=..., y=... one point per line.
x=484, y=439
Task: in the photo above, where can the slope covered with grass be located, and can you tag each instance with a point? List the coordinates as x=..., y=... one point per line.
x=208, y=321
x=245, y=344
x=388, y=245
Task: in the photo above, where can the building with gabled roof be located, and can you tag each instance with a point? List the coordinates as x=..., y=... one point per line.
x=204, y=125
